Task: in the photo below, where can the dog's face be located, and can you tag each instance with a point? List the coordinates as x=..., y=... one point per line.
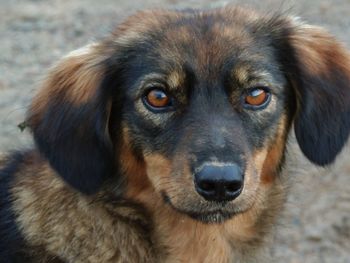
x=203, y=100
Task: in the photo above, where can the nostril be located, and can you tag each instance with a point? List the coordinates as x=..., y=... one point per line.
x=207, y=186
x=233, y=186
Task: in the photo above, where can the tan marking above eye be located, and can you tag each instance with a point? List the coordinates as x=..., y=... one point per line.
x=256, y=97
x=157, y=98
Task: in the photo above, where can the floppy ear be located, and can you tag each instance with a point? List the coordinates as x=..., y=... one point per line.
x=319, y=70
x=69, y=119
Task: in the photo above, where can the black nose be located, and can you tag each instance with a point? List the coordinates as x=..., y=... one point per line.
x=219, y=183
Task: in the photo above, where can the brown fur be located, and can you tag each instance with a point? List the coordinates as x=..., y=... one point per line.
x=129, y=219
x=63, y=221
x=83, y=71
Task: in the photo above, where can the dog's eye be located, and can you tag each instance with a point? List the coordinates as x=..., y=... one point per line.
x=157, y=100
x=257, y=98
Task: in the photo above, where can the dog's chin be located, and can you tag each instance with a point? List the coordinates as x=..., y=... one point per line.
x=211, y=216
x=217, y=217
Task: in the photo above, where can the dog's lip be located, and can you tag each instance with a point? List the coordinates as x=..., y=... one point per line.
x=217, y=215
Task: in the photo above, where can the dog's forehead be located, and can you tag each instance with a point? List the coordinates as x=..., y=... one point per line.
x=201, y=38
x=230, y=47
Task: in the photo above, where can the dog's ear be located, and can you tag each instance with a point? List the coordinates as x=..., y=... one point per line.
x=69, y=119
x=318, y=68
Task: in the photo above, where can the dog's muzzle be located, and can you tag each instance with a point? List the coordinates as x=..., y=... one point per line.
x=219, y=183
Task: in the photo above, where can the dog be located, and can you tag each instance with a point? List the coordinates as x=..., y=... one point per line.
x=166, y=141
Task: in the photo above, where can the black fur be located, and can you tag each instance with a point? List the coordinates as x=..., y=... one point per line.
x=322, y=118
x=323, y=123
x=76, y=142
x=80, y=142
x=11, y=242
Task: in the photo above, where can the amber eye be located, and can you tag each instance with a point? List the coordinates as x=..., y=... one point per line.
x=257, y=98
x=157, y=99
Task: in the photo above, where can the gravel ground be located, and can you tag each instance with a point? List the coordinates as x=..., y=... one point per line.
x=34, y=34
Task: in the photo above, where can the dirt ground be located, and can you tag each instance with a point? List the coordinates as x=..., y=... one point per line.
x=34, y=34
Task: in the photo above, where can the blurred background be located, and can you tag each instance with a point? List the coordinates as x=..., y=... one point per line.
x=34, y=34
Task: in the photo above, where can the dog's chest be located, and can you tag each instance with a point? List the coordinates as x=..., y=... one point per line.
x=194, y=246
x=186, y=240
x=178, y=238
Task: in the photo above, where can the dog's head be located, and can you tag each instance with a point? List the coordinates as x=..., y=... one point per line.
x=198, y=104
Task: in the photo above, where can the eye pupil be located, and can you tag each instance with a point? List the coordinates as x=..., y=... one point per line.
x=157, y=98
x=256, y=97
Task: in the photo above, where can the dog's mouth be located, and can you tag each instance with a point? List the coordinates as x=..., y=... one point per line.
x=212, y=213
x=214, y=217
